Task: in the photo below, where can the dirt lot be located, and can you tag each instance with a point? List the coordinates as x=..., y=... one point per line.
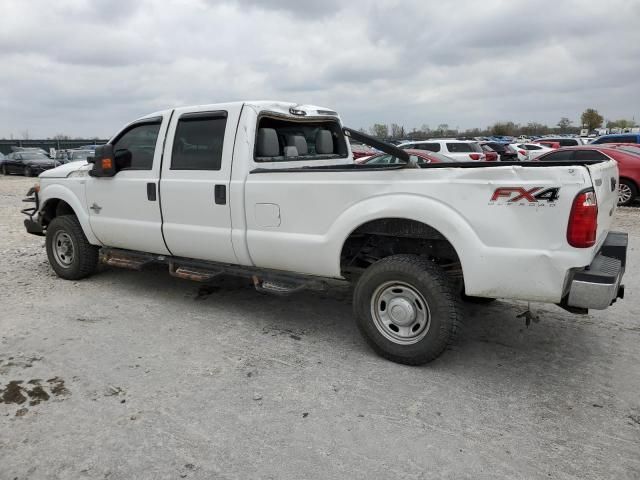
x=140, y=375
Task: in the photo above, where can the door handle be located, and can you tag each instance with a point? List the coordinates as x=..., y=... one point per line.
x=220, y=194
x=151, y=191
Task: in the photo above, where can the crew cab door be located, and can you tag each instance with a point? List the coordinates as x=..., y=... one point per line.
x=124, y=210
x=194, y=188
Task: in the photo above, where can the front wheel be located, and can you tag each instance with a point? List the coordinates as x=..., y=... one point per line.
x=4, y=170
x=70, y=254
x=407, y=309
x=28, y=172
x=627, y=192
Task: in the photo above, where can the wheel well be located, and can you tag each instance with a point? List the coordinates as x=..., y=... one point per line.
x=55, y=208
x=631, y=181
x=381, y=238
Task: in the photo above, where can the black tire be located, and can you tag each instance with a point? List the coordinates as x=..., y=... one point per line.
x=28, y=172
x=632, y=190
x=478, y=300
x=5, y=171
x=82, y=261
x=432, y=286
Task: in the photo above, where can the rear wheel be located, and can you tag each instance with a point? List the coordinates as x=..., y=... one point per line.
x=627, y=192
x=407, y=309
x=70, y=254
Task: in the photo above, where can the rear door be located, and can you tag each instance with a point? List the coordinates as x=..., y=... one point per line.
x=124, y=210
x=194, y=188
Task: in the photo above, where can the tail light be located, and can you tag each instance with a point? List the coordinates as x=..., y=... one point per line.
x=522, y=152
x=474, y=156
x=583, y=220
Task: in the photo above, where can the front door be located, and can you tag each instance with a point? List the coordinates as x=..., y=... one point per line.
x=194, y=188
x=124, y=210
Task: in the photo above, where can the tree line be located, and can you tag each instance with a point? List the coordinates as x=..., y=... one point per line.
x=590, y=119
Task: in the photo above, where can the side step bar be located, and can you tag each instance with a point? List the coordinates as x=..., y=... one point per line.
x=265, y=281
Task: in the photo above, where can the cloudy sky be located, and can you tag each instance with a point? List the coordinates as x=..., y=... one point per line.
x=84, y=67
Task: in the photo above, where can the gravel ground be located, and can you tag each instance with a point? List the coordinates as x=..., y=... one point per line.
x=141, y=375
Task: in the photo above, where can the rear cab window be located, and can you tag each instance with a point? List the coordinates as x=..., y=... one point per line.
x=281, y=139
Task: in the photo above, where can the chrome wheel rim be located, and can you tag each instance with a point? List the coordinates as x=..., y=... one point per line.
x=400, y=313
x=63, y=249
x=624, y=193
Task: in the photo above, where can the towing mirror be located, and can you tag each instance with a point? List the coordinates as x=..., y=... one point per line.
x=104, y=164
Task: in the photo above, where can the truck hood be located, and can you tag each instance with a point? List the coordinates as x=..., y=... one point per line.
x=64, y=170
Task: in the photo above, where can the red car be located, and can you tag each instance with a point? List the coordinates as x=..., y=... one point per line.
x=490, y=154
x=547, y=143
x=628, y=164
x=424, y=156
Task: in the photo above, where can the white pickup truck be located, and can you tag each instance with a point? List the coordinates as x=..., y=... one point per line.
x=269, y=190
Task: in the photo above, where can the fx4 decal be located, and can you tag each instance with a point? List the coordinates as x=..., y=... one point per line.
x=521, y=195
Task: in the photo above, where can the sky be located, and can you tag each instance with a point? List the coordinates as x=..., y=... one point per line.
x=84, y=68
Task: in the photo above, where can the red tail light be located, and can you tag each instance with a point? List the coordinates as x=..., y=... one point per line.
x=522, y=152
x=583, y=220
x=474, y=156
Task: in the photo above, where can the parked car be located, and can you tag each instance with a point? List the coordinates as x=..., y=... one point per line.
x=27, y=163
x=79, y=155
x=523, y=154
x=551, y=144
x=490, y=154
x=534, y=150
x=359, y=150
x=31, y=150
x=506, y=153
x=463, y=150
x=561, y=141
x=617, y=138
x=423, y=156
x=269, y=191
x=628, y=165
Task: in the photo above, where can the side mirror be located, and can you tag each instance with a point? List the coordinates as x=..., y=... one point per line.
x=103, y=162
x=122, y=159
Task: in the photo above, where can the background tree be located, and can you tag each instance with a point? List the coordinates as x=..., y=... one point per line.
x=397, y=131
x=622, y=123
x=504, y=128
x=591, y=119
x=380, y=130
x=564, y=124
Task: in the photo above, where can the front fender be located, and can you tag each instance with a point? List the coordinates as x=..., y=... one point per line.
x=73, y=195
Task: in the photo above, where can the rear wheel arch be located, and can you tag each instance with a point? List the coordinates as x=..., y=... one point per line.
x=384, y=237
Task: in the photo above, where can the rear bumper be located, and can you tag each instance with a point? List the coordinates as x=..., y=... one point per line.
x=599, y=285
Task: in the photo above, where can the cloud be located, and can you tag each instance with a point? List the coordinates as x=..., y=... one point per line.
x=85, y=67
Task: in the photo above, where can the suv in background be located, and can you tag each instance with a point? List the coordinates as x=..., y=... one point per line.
x=461, y=150
x=617, y=138
x=507, y=153
x=563, y=141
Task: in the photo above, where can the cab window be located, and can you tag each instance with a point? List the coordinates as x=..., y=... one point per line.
x=140, y=140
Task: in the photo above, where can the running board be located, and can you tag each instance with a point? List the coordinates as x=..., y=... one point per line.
x=122, y=259
x=192, y=273
x=264, y=280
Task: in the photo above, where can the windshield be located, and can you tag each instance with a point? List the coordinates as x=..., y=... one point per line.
x=34, y=156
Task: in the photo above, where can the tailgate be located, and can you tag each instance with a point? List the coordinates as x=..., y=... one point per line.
x=605, y=182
